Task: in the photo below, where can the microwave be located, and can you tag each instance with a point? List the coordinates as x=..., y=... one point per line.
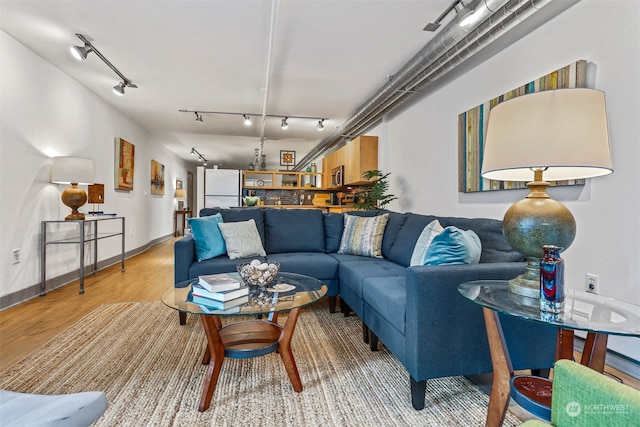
x=337, y=176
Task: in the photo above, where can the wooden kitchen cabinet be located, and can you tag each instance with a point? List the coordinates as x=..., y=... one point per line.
x=360, y=155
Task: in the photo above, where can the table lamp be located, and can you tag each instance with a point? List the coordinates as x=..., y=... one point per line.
x=74, y=171
x=181, y=194
x=562, y=133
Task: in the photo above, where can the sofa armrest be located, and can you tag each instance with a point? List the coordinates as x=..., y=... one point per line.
x=445, y=332
x=184, y=254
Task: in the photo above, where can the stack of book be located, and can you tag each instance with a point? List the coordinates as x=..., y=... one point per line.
x=217, y=292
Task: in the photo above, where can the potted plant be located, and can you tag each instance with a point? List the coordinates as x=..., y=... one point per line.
x=374, y=196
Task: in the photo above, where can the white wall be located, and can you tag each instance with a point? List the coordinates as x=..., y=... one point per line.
x=423, y=160
x=46, y=113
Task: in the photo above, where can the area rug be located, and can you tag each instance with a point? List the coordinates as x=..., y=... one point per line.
x=149, y=367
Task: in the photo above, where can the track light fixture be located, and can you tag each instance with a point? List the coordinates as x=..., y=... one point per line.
x=247, y=117
x=201, y=158
x=81, y=52
x=119, y=89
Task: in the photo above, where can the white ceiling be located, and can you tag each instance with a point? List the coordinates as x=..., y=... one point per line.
x=328, y=57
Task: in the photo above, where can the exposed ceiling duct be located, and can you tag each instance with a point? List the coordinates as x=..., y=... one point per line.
x=455, y=43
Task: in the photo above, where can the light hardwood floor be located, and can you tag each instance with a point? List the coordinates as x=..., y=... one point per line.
x=27, y=326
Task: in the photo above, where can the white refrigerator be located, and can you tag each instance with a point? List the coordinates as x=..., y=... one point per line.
x=222, y=188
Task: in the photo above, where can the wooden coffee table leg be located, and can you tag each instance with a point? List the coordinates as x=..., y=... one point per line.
x=284, y=348
x=206, y=358
x=502, y=369
x=215, y=350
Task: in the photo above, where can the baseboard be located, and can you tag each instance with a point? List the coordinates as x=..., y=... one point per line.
x=33, y=291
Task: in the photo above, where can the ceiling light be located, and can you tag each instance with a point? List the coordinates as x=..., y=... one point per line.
x=119, y=89
x=320, y=125
x=80, y=52
x=199, y=117
x=284, y=123
x=193, y=151
x=247, y=120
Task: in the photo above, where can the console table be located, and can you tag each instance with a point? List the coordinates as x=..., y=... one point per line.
x=87, y=231
x=183, y=214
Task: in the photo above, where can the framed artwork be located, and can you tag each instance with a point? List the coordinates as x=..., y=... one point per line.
x=157, y=178
x=179, y=185
x=287, y=158
x=125, y=161
x=472, y=128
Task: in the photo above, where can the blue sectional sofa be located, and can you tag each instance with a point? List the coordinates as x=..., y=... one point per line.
x=416, y=311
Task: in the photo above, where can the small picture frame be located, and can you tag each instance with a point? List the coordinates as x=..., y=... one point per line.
x=287, y=158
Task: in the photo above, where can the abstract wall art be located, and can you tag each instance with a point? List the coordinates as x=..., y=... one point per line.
x=472, y=128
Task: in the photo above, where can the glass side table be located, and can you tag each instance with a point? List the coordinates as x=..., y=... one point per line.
x=599, y=316
x=249, y=338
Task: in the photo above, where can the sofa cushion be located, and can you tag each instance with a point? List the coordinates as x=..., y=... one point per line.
x=242, y=239
x=454, y=246
x=387, y=296
x=333, y=225
x=237, y=215
x=430, y=231
x=221, y=264
x=407, y=237
x=207, y=238
x=363, y=236
x=495, y=247
x=318, y=265
x=293, y=230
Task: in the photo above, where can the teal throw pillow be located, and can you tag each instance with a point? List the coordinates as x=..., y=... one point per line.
x=430, y=231
x=454, y=246
x=207, y=237
x=363, y=235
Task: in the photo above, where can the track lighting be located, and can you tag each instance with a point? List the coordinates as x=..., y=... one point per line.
x=247, y=117
x=119, y=89
x=201, y=158
x=81, y=52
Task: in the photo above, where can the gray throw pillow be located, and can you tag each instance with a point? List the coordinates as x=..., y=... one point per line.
x=242, y=239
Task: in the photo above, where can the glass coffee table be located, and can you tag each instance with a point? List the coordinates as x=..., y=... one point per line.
x=597, y=315
x=249, y=338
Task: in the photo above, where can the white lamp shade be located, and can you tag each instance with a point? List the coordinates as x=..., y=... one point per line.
x=66, y=170
x=563, y=131
x=181, y=193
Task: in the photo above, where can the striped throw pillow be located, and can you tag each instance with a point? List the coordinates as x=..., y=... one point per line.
x=363, y=235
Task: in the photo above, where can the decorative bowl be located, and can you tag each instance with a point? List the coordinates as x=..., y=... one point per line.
x=258, y=273
x=251, y=200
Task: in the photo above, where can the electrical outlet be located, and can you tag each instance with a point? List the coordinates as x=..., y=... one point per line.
x=592, y=283
x=16, y=256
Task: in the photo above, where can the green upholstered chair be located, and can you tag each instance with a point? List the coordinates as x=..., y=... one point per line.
x=584, y=397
